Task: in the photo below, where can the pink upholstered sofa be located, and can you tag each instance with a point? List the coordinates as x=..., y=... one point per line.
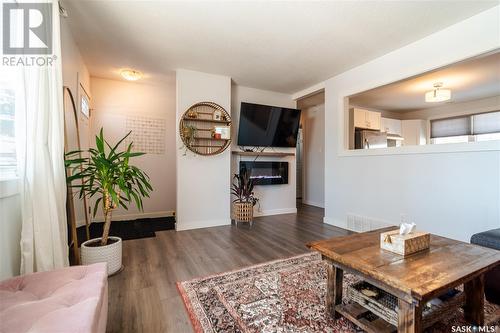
x=72, y=299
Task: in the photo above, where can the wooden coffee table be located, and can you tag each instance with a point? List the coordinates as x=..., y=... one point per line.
x=414, y=280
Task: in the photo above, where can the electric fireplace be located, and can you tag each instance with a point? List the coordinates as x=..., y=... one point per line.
x=266, y=173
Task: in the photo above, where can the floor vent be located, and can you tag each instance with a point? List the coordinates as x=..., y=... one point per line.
x=362, y=223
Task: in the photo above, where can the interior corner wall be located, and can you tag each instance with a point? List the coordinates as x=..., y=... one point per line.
x=450, y=194
x=203, y=182
x=273, y=199
x=113, y=102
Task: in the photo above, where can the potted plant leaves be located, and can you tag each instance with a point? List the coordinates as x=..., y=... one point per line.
x=245, y=199
x=107, y=176
x=189, y=134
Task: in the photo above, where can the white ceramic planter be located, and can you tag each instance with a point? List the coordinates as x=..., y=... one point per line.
x=111, y=254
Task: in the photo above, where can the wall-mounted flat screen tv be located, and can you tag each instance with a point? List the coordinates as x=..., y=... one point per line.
x=268, y=126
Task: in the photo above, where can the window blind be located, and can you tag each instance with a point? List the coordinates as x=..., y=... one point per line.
x=451, y=127
x=486, y=123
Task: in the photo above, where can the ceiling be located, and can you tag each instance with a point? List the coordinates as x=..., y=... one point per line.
x=278, y=46
x=468, y=80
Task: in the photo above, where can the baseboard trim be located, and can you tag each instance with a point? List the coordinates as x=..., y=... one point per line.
x=179, y=226
x=280, y=211
x=312, y=203
x=336, y=223
x=126, y=217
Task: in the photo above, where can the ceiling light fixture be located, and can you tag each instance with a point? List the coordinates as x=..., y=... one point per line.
x=438, y=94
x=131, y=75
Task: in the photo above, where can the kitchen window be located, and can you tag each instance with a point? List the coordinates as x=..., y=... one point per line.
x=470, y=128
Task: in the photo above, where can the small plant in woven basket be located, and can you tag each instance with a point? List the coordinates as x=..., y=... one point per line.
x=245, y=200
x=242, y=188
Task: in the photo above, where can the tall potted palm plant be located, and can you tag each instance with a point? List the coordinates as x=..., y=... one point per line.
x=107, y=176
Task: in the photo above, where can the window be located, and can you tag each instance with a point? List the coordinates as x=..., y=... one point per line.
x=486, y=123
x=456, y=126
x=470, y=128
x=8, y=161
x=84, y=102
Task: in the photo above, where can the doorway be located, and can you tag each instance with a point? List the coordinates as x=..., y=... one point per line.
x=310, y=151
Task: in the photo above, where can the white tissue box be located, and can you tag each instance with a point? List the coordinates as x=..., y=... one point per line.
x=405, y=244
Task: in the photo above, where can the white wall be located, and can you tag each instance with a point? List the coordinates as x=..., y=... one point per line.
x=451, y=194
x=113, y=101
x=203, y=182
x=75, y=73
x=273, y=199
x=314, y=155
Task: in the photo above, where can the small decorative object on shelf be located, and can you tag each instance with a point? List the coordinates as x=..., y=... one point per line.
x=198, y=128
x=217, y=115
x=192, y=114
x=215, y=135
x=242, y=189
x=223, y=131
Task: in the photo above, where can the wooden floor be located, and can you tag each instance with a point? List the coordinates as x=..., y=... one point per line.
x=144, y=296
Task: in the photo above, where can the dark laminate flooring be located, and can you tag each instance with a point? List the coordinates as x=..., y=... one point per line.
x=144, y=296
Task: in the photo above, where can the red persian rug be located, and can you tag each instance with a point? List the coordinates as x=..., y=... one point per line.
x=286, y=295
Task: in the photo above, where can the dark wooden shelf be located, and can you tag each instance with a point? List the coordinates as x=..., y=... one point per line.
x=203, y=143
x=265, y=153
x=208, y=120
x=356, y=314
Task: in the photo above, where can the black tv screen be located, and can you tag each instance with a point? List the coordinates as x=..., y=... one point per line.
x=268, y=126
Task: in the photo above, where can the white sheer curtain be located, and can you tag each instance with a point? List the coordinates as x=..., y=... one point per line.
x=40, y=158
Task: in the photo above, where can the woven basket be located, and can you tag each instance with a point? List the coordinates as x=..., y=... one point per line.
x=384, y=305
x=243, y=211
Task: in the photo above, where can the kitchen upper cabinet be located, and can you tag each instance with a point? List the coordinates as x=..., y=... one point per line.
x=390, y=126
x=366, y=119
x=414, y=132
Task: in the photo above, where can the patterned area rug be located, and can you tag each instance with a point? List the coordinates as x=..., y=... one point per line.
x=285, y=295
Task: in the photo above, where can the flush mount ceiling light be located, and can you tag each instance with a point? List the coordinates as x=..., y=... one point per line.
x=438, y=94
x=131, y=75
